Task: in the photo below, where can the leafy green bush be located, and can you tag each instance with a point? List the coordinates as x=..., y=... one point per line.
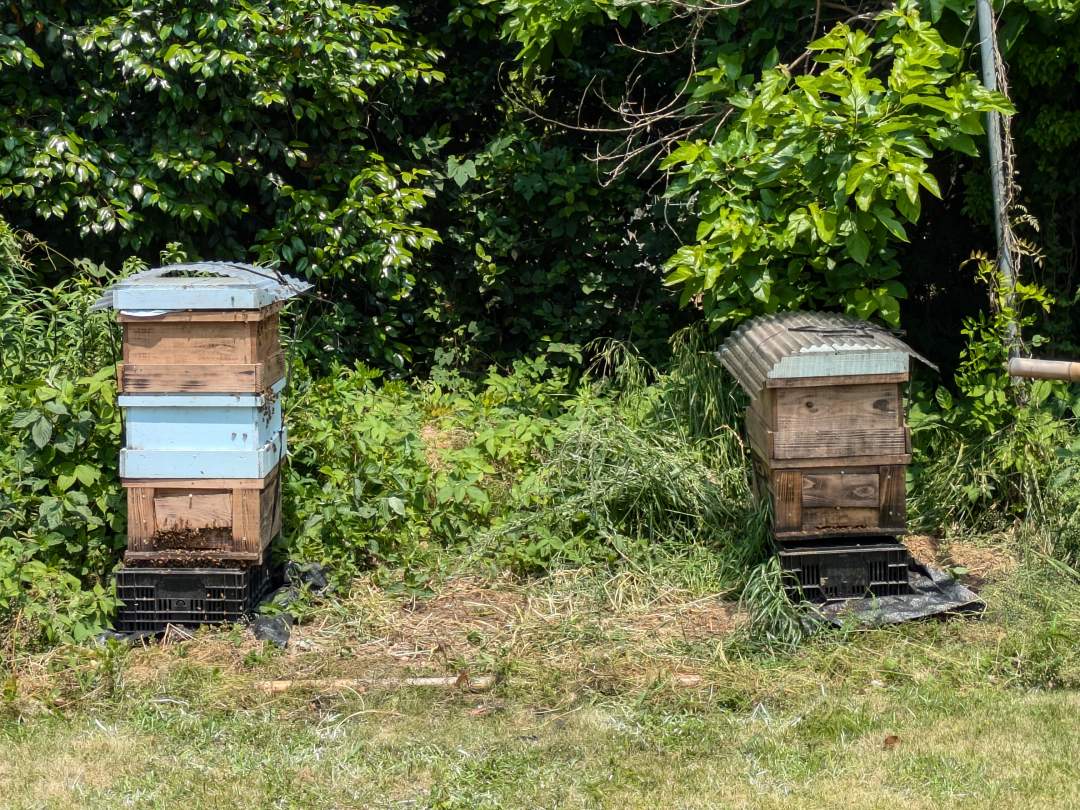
x=61, y=507
x=1002, y=449
x=799, y=202
x=528, y=469
x=241, y=130
x=387, y=473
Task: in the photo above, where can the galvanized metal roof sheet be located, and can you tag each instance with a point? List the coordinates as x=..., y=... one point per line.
x=201, y=285
x=790, y=345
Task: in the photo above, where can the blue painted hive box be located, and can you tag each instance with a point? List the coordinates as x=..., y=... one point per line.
x=202, y=435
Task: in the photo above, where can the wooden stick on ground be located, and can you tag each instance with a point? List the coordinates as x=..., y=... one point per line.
x=477, y=683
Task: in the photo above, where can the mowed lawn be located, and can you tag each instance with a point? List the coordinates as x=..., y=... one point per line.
x=611, y=692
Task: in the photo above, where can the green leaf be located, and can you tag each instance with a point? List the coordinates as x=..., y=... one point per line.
x=858, y=245
x=41, y=432
x=24, y=419
x=824, y=222
x=685, y=153
x=891, y=223
x=87, y=475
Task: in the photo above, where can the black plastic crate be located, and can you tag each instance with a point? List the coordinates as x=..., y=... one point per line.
x=154, y=598
x=826, y=573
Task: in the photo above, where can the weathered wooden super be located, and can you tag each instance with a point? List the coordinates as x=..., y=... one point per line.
x=202, y=519
x=233, y=351
x=826, y=422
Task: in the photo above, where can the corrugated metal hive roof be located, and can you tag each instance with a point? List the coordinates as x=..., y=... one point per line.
x=811, y=344
x=201, y=285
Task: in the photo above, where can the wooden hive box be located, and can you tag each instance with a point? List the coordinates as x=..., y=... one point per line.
x=202, y=520
x=201, y=327
x=826, y=422
x=234, y=351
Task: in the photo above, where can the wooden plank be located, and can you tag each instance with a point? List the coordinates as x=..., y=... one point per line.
x=271, y=371
x=895, y=459
x=140, y=520
x=787, y=500
x=199, y=483
x=270, y=511
x=840, y=489
x=830, y=534
x=840, y=407
x=168, y=343
x=759, y=436
x=189, y=557
x=180, y=378
x=845, y=379
x=840, y=443
x=205, y=315
x=893, y=503
x=840, y=518
x=192, y=509
x=265, y=338
x=764, y=407
x=247, y=535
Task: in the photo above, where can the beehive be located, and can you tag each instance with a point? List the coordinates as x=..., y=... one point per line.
x=826, y=422
x=200, y=390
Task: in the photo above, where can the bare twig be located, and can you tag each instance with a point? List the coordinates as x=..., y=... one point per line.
x=478, y=683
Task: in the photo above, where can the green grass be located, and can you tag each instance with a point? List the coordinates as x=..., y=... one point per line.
x=639, y=690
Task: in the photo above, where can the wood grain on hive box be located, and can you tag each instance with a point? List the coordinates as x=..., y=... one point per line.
x=237, y=521
x=848, y=500
x=176, y=352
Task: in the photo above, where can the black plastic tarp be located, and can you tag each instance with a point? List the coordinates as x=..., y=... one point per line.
x=934, y=593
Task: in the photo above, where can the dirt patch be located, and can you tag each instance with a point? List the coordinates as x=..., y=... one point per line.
x=924, y=548
x=467, y=616
x=622, y=633
x=983, y=563
x=438, y=439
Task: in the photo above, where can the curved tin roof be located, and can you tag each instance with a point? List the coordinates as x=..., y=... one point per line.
x=790, y=345
x=201, y=285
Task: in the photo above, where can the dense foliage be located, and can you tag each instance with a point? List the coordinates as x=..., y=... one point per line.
x=481, y=190
x=474, y=181
x=800, y=203
x=242, y=129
